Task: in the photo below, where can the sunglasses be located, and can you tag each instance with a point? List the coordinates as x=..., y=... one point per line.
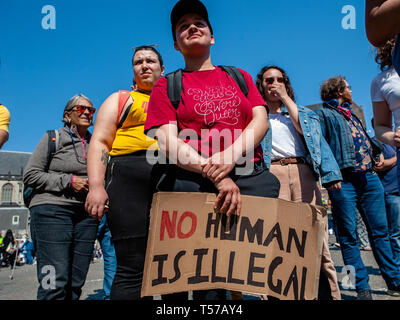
x=81, y=109
x=271, y=80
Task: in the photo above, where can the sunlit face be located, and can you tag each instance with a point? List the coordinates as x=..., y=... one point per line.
x=272, y=78
x=346, y=95
x=80, y=115
x=193, y=35
x=146, y=69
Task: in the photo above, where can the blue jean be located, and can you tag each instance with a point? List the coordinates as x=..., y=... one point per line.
x=109, y=257
x=64, y=239
x=365, y=192
x=393, y=216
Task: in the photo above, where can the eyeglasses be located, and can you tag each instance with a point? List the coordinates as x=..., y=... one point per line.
x=271, y=80
x=81, y=109
x=348, y=87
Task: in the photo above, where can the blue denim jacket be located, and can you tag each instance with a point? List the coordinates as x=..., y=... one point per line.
x=319, y=156
x=337, y=133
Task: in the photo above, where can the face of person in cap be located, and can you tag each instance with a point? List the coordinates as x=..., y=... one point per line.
x=193, y=35
x=146, y=69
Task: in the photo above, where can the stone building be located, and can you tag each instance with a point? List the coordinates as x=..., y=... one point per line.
x=13, y=214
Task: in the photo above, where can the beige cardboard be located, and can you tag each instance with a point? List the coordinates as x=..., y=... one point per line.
x=281, y=257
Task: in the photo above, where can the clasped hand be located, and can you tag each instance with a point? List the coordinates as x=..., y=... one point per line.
x=217, y=169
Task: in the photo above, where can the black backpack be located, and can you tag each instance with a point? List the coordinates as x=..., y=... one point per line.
x=174, y=83
x=53, y=145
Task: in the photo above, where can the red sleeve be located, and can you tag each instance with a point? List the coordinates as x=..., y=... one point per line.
x=254, y=95
x=160, y=111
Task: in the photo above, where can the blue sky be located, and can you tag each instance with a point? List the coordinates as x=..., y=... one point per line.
x=90, y=51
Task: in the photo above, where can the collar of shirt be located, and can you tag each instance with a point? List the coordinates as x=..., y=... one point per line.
x=345, y=108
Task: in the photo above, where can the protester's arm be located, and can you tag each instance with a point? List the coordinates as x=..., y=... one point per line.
x=99, y=148
x=184, y=156
x=382, y=20
x=280, y=91
x=3, y=137
x=176, y=150
x=221, y=164
x=383, y=124
x=387, y=164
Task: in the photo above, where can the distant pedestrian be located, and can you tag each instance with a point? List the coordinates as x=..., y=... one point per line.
x=109, y=257
x=10, y=246
x=28, y=250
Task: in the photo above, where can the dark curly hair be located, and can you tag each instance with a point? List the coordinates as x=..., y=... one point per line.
x=384, y=54
x=331, y=88
x=286, y=81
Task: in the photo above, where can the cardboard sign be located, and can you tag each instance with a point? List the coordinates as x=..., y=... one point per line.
x=274, y=248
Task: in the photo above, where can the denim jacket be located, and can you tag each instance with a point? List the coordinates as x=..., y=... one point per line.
x=319, y=156
x=337, y=133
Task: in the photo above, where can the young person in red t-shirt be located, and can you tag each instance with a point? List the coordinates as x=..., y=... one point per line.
x=223, y=124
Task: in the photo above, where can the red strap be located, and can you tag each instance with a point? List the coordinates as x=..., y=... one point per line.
x=123, y=98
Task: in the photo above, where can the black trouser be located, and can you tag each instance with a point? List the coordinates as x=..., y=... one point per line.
x=130, y=183
x=260, y=182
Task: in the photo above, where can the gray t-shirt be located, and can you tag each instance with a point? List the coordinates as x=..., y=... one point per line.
x=54, y=185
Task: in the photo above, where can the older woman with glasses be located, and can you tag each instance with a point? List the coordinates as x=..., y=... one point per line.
x=62, y=231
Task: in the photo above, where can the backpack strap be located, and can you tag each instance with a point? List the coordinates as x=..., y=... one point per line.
x=174, y=87
x=53, y=145
x=238, y=77
x=123, y=98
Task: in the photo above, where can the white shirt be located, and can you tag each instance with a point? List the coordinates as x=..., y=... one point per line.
x=386, y=87
x=286, y=141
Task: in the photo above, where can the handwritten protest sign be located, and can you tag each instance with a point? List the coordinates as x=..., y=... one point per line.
x=273, y=248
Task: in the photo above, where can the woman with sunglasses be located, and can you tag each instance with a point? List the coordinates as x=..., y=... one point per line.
x=297, y=154
x=62, y=231
x=121, y=177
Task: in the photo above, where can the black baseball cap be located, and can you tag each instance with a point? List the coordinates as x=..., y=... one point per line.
x=183, y=7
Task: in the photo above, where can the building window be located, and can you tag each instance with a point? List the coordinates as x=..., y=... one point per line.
x=15, y=220
x=7, y=192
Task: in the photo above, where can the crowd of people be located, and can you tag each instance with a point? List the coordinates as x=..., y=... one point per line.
x=15, y=252
x=100, y=186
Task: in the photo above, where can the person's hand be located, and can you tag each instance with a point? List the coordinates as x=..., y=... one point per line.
x=229, y=200
x=336, y=186
x=379, y=164
x=80, y=184
x=396, y=138
x=217, y=167
x=97, y=203
x=278, y=90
